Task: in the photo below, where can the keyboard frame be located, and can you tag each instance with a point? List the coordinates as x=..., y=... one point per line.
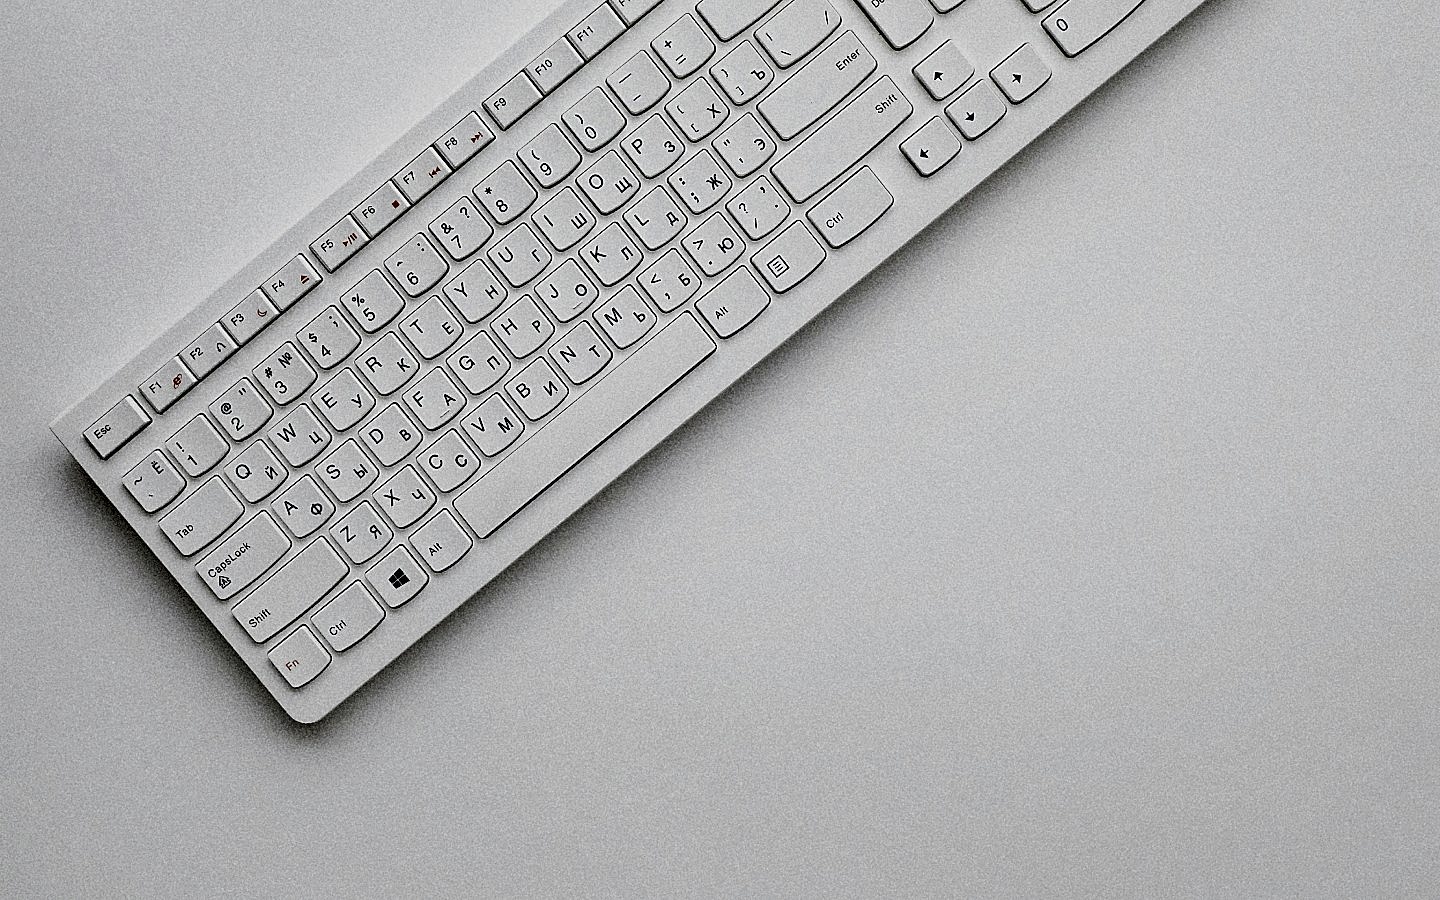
x=987, y=30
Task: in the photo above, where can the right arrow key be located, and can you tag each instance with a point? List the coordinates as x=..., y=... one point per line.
x=1021, y=74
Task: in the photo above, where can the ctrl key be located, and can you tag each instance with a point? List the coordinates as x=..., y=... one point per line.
x=299, y=657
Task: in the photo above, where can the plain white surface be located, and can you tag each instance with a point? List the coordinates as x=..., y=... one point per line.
x=1088, y=548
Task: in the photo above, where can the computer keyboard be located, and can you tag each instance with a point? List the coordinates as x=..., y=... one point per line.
x=554, y=270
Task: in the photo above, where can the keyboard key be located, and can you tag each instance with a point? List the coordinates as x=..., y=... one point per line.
x=435, y=399
x=343, y=401
x=417, y=266
x=632, y=385
x=391, y=435
x=449, y=462
x=639, y=83
x=977, y=110
x=515, y=98
x=797, y=29
x=851, y=208
x=197, y=446
x=339, y=242
x=611, y=256
x=154, y=481
x=397, y=578
x=296, y=587
x=460, y=229
x=944, y=71
x=853, y=132
x=1078, y=24
x=328, y=338
x=522, y=327
x=700, y=182
x=373, y=302
x=387, y=365
x=384, y=205
x=361, y=534
x=520, y=256
x=284, y=375
x=404, y=498
x=759, y=208
x=441, y=542
x=494, y=425
x=742, y=74
x=475, y=292
x=349, y=617
x=537, y=390
x=596, y=31
x=294, y=280
x=656, y=219
x=431, y=328
x=566, y=292
x=900, y=22
x=243, y=557
x=580, y=354
x=303, y=508
x=249, y=317
x=653, y=147
x=505, y=193
x=698, y=110
x=113, y=430
x=744, y=146
x=558, y=62
x=564, y=220
x=633, y=10
x=347, y=471
x=209, y=350
x=790, y=258
x=727, y=18
x=818, y=86
x=594, y=120
x=931, y=148
x=256, y=473
x=479, y=364
x=683, y=47
x=300, y=437
x=669, y=282
x=202, y=517
x=1021, y=74
x=713, y=245
x=625, y=318
x=733, y=303
x=241, y=411
x=171, y=382
x=549, y=156
x=464, y=139
x=299, y=658
x=422, y=175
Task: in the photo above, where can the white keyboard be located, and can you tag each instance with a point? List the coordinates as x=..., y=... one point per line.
x=576, y=252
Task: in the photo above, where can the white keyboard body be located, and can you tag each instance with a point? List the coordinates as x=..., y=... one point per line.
x=322, y=560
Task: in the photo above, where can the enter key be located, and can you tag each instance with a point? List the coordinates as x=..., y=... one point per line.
x=818, y=86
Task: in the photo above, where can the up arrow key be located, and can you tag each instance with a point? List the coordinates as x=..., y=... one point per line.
x=944, y=71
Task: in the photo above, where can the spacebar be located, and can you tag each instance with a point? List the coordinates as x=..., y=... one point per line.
x=585, y=424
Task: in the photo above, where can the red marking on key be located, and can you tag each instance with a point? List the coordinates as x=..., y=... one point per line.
x=394, y=204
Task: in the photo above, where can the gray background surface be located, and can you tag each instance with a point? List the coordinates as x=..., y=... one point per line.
x=1088, y=548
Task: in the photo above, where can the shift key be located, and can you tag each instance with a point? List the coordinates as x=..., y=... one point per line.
x=298, y=585
x=844, y=140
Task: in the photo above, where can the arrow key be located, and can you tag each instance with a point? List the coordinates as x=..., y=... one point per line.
x=1021, y=74
x=930, y=148
x=944, y=71
x=977, y=110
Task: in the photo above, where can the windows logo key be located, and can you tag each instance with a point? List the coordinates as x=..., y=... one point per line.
x=399, y=579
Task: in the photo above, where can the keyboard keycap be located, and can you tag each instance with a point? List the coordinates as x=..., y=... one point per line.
x=549, y=156
x=284, y=375
x=404, y=498
x=391, y=435
x=683, y=47
x=733, y=303
x=256, y=472
x=347, y=471
x=154, y=481
x=418, y=266
x=653, y=147
x=299, y=658
x=797, y=29
x=475, y=292
x=611, y=256
x=387, y=364
x=441, y=542
x=551, y=68
x=241, y=411
x=449, y=461
x=789, y=258
x=614, y=400
x=727, y=18
x=435, y=399
x=303, y=508
x=1078, y=24
x=713, y=244
x=656, y=218
x=596, y=32
x=625, y=318
x=300, y=437
x=422, y=175
x=759, y=208
x=566, y=292
x=167, y=385
x=361, y=534
x=249, y=317
x=505, y=193
x=851, y=208
x=977, y=110
x=384, y=205
x=594, y=121
x=397, y=578
x=853, y=132
x=373, y=302
x=328, y=338
x=339, y=242
x=293, y=589
x=931, y=148
x=537, y=390
x=698, y=110
x=818, y=86
x=900, y=22
x=465, y=139
x=580, y=354
x=431, y=328
x=520, y=256
x=243, y=557
x=494, y=425
x=202, y=517
x=208, y=351
x=669, y=282
x=479, y=364
x=609, y=183
x=294, y=280
x=1021, y=74
x=349, y=617
x=742, y=74
x=633, y=10
x=700, y=182
x=744, y=146
x=113, y=430
x=343, y=401
x=564, y=220
x=515, y=98
x=639, y=83
x=944, y=71
x=197, y=446
x=460, y=229
x=522, y=327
